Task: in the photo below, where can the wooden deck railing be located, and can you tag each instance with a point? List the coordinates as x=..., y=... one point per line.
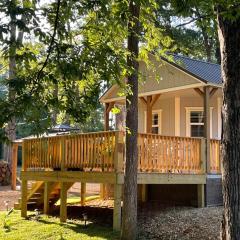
x=104, y=151
x=215, y=161
x=85, y=152
x=169, y=154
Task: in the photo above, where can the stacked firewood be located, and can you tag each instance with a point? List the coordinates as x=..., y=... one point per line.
x=5, y=173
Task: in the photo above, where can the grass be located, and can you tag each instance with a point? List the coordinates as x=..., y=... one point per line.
x=44, y=227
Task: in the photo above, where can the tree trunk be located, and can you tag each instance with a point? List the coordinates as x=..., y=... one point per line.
x=229, y=38
x=14, y=41
x=129, y=223
x=11, y=127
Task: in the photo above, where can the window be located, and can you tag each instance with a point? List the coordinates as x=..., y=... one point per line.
x=156, y=121
x=195, y=122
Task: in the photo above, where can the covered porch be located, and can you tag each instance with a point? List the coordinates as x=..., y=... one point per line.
x=190, y=112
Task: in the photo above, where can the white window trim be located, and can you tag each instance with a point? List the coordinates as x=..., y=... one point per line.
x=159, y=112
x=191, y=109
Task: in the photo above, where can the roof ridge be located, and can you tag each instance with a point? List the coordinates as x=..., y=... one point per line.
x=193, y=59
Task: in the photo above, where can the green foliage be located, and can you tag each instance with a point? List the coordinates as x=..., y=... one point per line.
x=87, y=53
x=192, y=26
x=94, y=121
x=6, y=221
x=76, y=68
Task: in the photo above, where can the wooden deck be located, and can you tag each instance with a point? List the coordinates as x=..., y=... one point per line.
x=104, y=152
x=57, y=162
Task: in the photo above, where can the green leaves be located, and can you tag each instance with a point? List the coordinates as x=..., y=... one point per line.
x=88, y=53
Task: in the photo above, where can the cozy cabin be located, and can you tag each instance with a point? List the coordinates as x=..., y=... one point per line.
x=178, y=144
x=184, y=103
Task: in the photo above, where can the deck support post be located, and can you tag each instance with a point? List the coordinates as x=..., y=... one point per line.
x=63, y=202
x=117, y=211
x=144, y=191
x=83, y=193
x=102, y=192
x=201, y=195
x=104, y=188
x=24, y=198
x=149, y=106
x=46, y=197
x=207, y=125
x=151, y=100
x=14, y=165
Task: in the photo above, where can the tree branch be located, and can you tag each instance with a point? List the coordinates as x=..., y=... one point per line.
x=193, y=20
x=52, y=40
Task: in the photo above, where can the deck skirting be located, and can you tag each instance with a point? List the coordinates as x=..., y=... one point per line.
x=112, y=177
x=70, y=176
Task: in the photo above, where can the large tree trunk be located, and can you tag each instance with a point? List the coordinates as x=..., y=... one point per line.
x=11, y=127
x=229, y=37
x=129, y=223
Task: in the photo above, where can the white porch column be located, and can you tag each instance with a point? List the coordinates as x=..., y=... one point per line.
x=177, y=116
x=207, y=125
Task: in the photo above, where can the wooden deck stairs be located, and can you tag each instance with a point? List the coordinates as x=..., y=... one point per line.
x=35, y=198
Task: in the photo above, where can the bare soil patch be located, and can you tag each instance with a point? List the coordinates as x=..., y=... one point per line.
x=6, y=194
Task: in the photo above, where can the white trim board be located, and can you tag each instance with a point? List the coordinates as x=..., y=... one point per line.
x=189, y=86
x=187, y=119
x=177, y=116
x=219, y=116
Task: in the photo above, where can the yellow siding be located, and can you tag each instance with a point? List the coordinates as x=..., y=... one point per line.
x=164, y=76
x=168, y=114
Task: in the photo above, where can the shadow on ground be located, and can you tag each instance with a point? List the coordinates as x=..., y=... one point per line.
x=95, y=215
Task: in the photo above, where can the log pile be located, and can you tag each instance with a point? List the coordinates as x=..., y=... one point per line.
x=5, y=173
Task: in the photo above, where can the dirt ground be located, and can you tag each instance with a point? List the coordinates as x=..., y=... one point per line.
x=180, y=223
x=171, y=223
x=154, y=221
x=9, y=196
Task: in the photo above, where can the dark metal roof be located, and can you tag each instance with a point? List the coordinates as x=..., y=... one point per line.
x=205, y=71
